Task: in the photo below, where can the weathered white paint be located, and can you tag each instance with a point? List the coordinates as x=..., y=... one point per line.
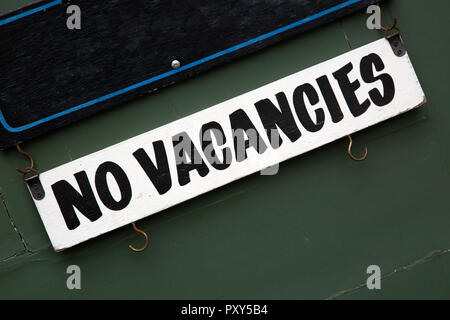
x=147, y=201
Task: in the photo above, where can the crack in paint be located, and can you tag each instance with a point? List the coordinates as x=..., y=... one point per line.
x=16, y=255
x=345, y=35
x=26, y=248
x=433, y=255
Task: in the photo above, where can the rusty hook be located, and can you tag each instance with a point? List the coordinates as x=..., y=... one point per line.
x=389, y=28
x=146, y=239
x=392, y=26
x=31, y=167
x=350, y=151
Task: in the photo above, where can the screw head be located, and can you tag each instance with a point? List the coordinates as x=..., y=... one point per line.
x=176, y=64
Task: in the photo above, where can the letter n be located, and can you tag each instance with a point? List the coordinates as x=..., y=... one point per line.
x=68, y=198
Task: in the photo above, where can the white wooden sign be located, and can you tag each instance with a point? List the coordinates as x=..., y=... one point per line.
x=196, y=154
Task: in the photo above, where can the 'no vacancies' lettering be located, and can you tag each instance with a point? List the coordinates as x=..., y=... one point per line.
x=215, y=153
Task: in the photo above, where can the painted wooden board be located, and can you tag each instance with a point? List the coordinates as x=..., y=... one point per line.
x=52, y=76
x=196, y=154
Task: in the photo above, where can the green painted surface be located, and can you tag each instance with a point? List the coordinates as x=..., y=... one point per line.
x=309, y=232
x=11, y=243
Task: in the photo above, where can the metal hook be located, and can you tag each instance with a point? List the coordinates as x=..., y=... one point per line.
x=392, y=26
x=31, y=167
x=350, y=151
x=389, y=28
x=144, y=234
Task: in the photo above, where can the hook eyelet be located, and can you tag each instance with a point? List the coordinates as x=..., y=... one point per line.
x=146, y=239
x=366, y=151
x=31, y=167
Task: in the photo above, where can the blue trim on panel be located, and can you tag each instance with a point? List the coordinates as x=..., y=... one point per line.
x=29, y=12
x=166, y=74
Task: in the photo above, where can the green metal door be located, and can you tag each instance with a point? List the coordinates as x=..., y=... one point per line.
x=309, y=232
